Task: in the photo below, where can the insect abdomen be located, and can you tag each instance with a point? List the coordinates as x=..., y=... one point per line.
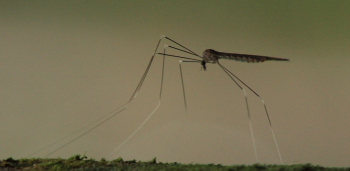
x=242, y=58
x=213, y=56
x=247, y=58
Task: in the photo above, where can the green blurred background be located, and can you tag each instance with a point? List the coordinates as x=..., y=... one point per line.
x=65, y=64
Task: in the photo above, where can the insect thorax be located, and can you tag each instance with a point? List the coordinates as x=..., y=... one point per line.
x=210, y=56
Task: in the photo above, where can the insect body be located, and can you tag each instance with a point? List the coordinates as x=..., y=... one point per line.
x=213, y=56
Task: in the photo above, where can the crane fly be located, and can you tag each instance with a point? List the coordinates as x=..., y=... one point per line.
x=209, y=56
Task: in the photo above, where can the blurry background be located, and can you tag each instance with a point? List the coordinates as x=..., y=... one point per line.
x=64, y=64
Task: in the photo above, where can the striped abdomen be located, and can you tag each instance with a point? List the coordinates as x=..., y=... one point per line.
x=213, y=56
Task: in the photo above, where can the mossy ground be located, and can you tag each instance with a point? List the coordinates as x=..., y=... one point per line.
x=78, y=162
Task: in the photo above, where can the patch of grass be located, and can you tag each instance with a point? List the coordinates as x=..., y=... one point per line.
x=77, y=162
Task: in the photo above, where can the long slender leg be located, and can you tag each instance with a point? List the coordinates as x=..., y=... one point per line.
x=262, y=100
x=185, y=103
x=191, y=52
x=160, y=93
x=183, y=87
x=186, y=51
x=117, y=110
x=84, y=133
x=248, y=112
x=149, y=116
x=114, y=113
x=146, y=72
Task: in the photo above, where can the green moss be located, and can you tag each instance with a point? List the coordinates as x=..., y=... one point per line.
x=118, y=160
x=77, y=162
